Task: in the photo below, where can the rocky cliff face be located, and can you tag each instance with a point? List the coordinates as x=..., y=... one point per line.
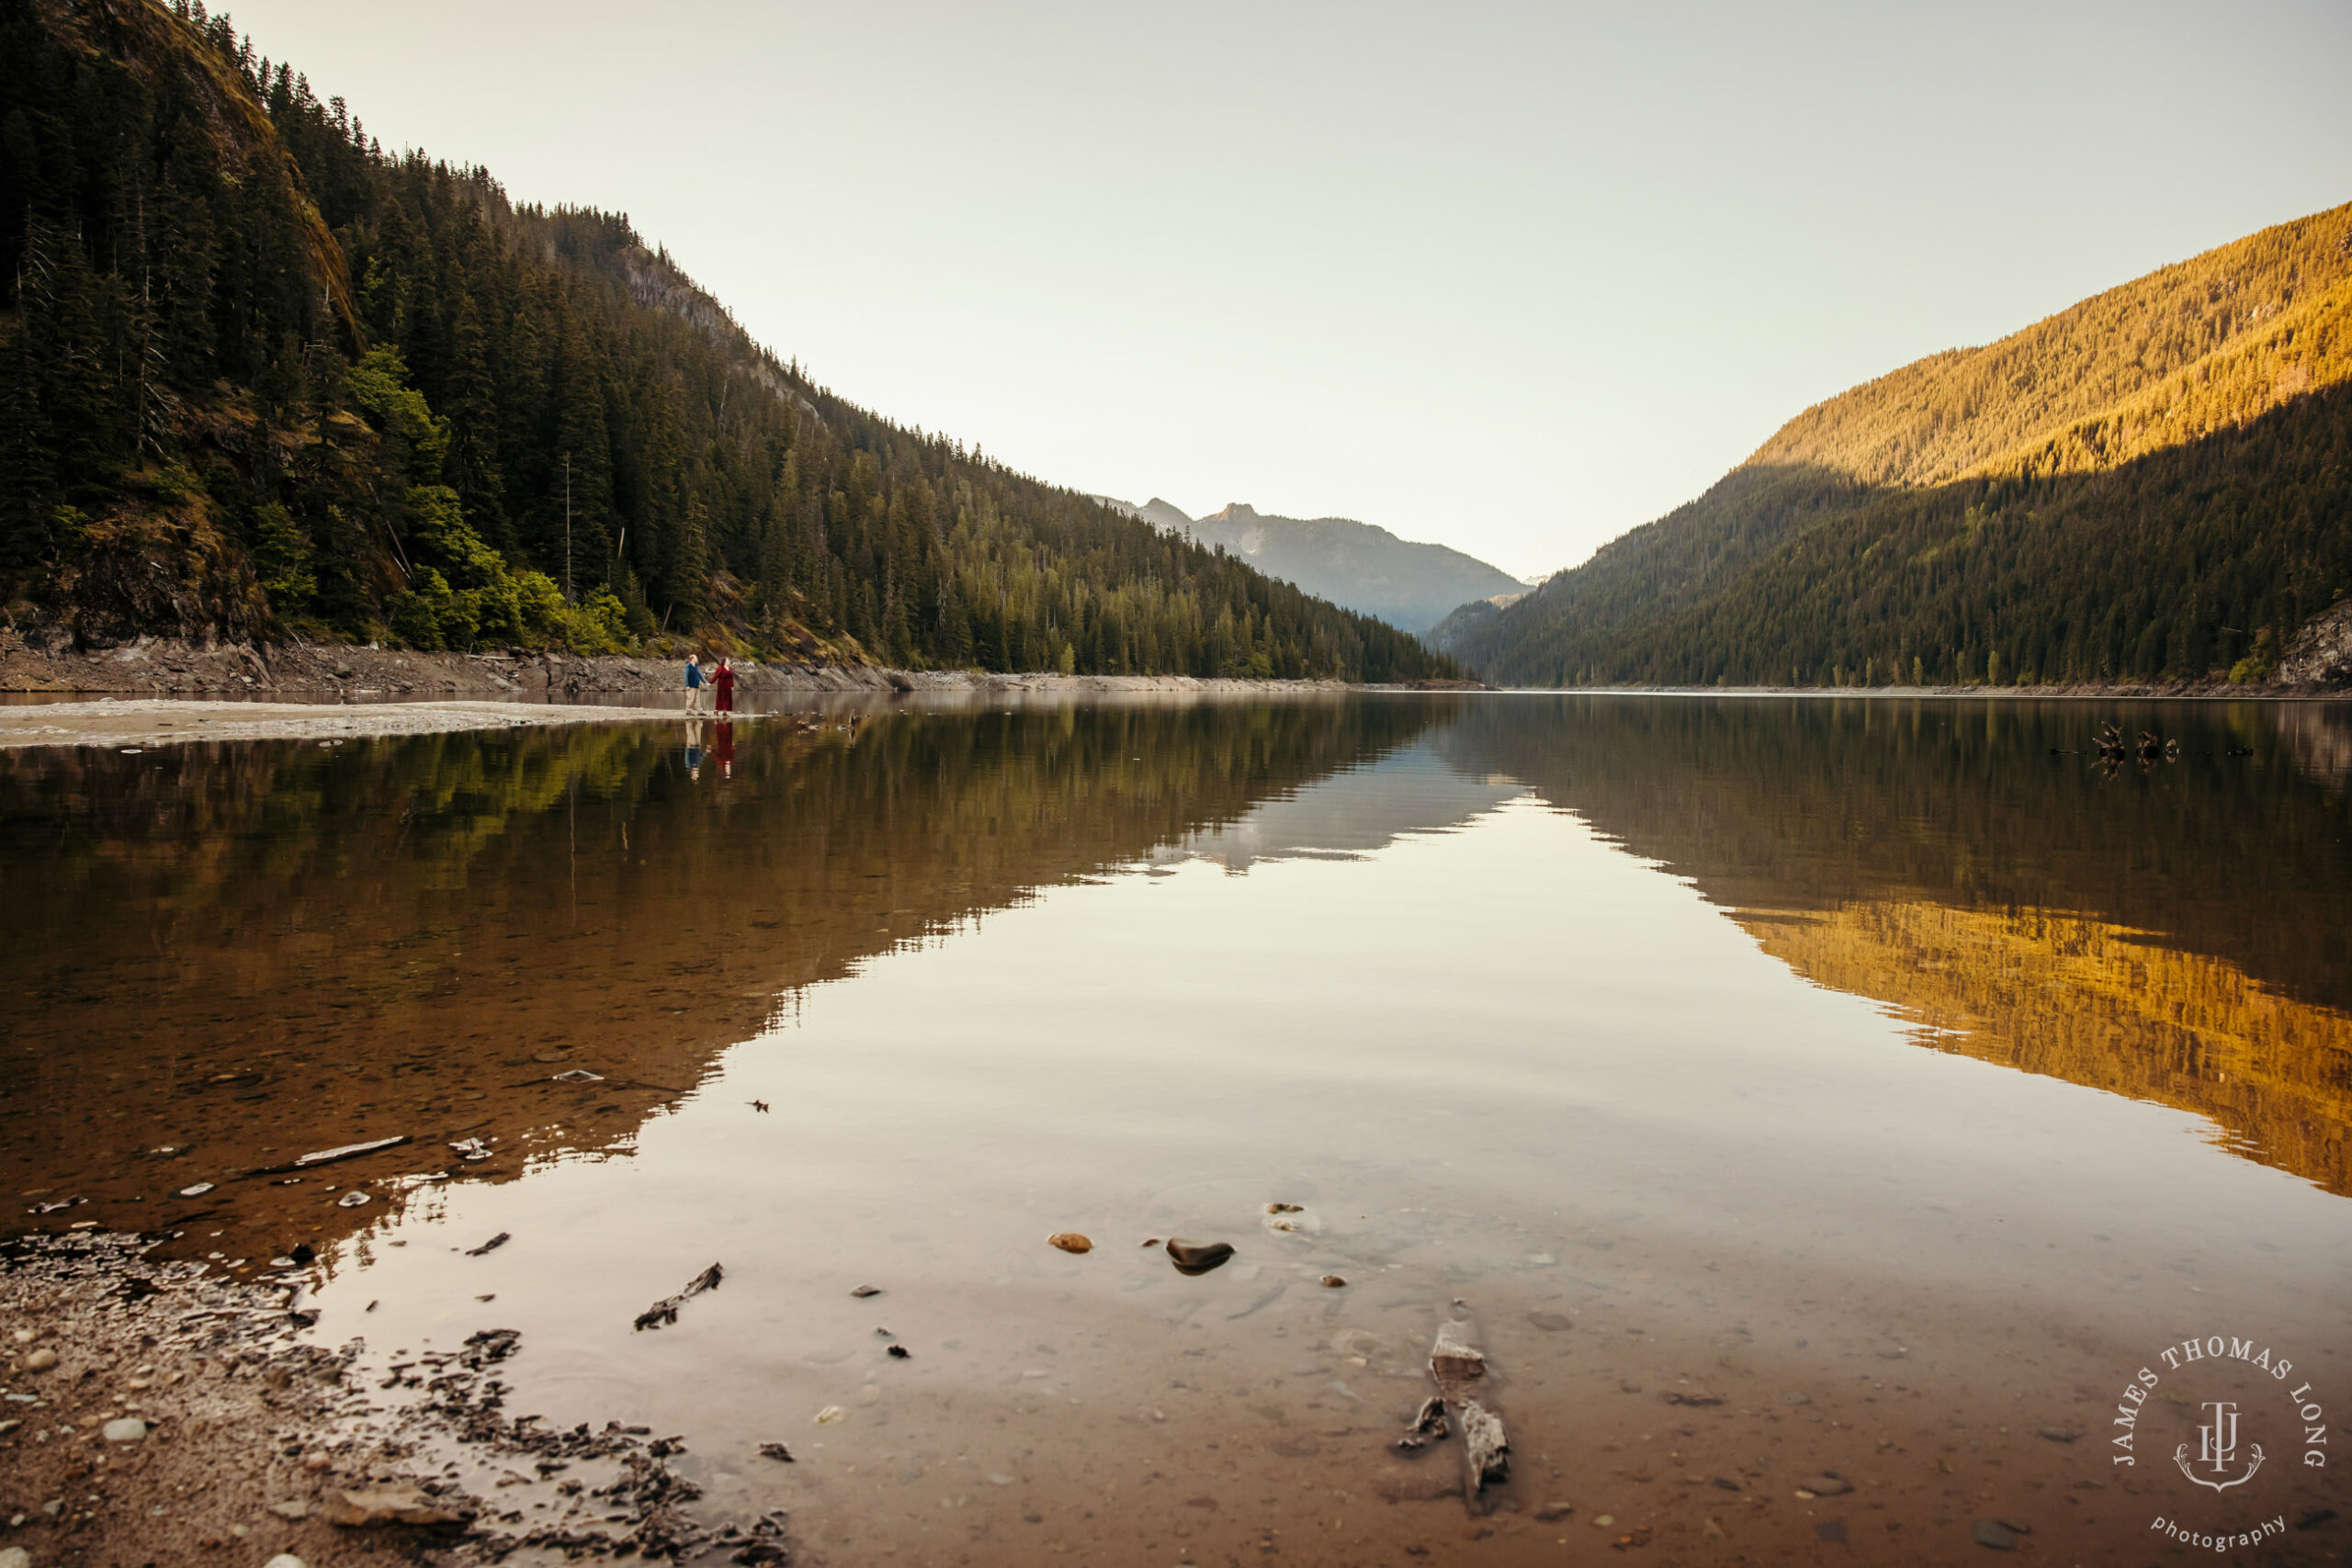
x=2322, y=652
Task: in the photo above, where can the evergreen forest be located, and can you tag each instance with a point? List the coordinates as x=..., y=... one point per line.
x=261, y=378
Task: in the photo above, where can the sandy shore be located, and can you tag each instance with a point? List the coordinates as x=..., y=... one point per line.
x=162, y=721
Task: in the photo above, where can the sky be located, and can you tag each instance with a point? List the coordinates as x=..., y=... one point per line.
x=1511, y=277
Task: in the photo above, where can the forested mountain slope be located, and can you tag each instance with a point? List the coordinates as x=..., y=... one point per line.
x=1360, y=565
x=2156, y=483
x=260, y=379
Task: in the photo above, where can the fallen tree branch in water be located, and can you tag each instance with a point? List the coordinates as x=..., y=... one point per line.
x=1460, y=1369
x=666, y=1309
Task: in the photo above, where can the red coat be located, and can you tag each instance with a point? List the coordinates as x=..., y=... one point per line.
x=725, y=683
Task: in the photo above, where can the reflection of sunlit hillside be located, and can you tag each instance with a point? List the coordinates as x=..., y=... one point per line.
x=2097, y=1004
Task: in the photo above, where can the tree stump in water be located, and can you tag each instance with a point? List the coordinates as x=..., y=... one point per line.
x=1460, y=1369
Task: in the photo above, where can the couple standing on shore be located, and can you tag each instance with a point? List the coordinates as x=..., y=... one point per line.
x=718, y=679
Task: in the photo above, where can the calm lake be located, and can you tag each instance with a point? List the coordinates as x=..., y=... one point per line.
x=1846, y=1091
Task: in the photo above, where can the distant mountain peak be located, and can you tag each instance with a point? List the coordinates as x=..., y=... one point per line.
x=1358, y=565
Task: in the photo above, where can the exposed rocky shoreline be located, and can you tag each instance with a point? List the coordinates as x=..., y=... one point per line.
x=163, y=1412
x=153, y=667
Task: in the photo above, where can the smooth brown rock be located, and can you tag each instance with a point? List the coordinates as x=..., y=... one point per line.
x=362, y=1506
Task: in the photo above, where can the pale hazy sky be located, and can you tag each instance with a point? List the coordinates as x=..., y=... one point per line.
x=1515, y=278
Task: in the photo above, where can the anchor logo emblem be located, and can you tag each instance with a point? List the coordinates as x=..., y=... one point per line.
x=2217, y=1449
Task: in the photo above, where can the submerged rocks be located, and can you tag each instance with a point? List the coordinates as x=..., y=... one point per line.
x=1198, y=1257
x=356, y=1507
x=1999, y=1535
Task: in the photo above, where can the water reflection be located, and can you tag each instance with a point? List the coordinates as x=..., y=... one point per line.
x=2179, y=932
x=231, y=955
x=1462, y=1004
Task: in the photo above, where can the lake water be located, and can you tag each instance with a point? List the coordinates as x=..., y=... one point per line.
x=1790, y=1090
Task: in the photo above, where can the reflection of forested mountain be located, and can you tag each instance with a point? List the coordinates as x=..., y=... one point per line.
x=1350, y=814
x=2180, y=932
x=251, y=951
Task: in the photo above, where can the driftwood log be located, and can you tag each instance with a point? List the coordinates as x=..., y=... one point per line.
x=1460, y=1369
x=666, y=1309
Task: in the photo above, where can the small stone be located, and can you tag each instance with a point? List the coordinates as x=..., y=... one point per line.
x=199, y=1191
x=1070, y=1241
x=293, y=1509
x=360, y=1506
x=1334, y=1281
x=1551, y=1511
x=285, y=1560
x=1827, y=1485
x=129, y=1429
x=2057, y=1434
x=41, y=1360
x=15, y=1557
x=777, y=1452
x=1552, y=1322
x=864, y=1291
x=24, y=1337
x=351, y=1199
x=318, y=1459
x=8, y=1426
x=900, y=1353
x=1696, y=1396
x=830, y=1414
x=1602, y=1521
x=1994, y=1534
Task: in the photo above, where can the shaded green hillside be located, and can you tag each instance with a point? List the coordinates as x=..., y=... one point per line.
x=260, y=379
x=2155, y=483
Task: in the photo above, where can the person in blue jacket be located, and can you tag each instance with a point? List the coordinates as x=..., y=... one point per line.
x=697, y=689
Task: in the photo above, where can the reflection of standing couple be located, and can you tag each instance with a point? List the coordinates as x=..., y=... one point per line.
x=701, y=683
x=722, y=748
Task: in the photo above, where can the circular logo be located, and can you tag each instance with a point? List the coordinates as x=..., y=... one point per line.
x=2210, y=1414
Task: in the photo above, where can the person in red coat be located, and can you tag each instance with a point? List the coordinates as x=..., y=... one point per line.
x=722, y=680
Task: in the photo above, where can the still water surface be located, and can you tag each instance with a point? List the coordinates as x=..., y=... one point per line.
x=1893, y=1073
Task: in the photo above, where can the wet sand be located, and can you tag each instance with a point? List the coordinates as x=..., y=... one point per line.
x=167, y=721
x=162, y=721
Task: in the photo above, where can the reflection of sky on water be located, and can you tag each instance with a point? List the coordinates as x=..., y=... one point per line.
x=1604, y=1015
x=1509, y=1063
